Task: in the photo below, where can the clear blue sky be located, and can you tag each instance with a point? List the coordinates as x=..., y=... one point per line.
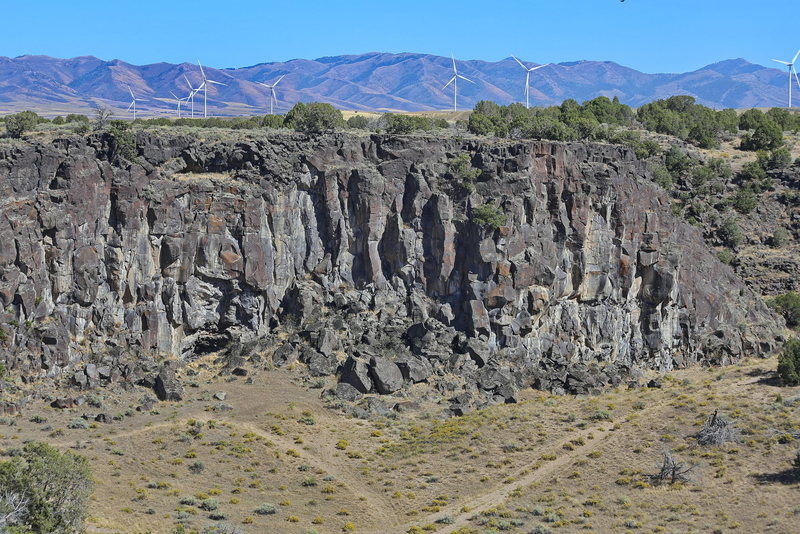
x=649, y=35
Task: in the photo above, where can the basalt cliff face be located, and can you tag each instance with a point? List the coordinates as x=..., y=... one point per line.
x=359, y=256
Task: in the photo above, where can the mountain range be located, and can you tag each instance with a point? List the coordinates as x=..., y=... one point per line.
x=367, y=82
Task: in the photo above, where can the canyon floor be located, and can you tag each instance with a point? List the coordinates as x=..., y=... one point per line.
x=554, y=463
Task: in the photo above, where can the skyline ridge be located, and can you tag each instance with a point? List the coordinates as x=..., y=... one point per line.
x=373, y=81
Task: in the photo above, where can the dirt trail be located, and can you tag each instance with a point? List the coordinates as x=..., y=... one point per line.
x=380, y=505
x=483, y=502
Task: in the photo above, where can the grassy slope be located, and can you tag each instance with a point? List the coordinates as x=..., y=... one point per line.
x=548, y=460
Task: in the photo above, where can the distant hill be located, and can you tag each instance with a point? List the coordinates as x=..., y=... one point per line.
x=370, y=82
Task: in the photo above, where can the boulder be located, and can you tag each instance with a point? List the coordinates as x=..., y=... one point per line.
x=346, y=392
x=63, y=403
x=167, y=386
x=415, y=369
x=319, y=364
x=385, y=374
x=103, y=418
x=285, y=355
x=327, y=342
x=377, y=406
x=356, y=373
x=477, y=350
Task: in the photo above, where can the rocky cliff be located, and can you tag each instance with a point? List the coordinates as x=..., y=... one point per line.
x=361, y=257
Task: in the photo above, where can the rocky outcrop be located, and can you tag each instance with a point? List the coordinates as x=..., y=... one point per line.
x=334, y=247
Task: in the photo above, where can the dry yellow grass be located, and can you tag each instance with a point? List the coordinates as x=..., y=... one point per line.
x=556, y=461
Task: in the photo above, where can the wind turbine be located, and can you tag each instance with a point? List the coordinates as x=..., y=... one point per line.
x=454, y=81
x=204, y=87
x=791, y=71
x=528, y=79
x=192, y=91
x=179, y=100
x=133, y=102
x=272, y=91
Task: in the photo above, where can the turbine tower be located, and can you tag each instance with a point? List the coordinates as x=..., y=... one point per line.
x=192, y=92
x=791, y=71
x=528, y=79
x=272, y=91
x=179, y=100
x=133, y=102
x=204, y=87
x=454, y=81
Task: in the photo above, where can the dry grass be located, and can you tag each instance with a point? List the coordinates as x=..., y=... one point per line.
x=568, y=463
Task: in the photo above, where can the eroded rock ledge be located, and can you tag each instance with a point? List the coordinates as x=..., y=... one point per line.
x=357, y=256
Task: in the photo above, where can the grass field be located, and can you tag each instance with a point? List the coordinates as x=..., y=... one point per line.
x=273, y=457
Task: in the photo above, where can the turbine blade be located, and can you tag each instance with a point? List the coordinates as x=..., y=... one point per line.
x=795, y=77
x=201, y=69
x=218, y=83
x=538, y=67
x=174, y=95
x=187, y=81
x=274, y=97
x=454, y=62
x=265, y=85
x=279, y=79
x=129, y=107
x=465, y=78
x=784, y=62
x=795, y=57
x=131, y=92
x=520, y=63
x=448, y=83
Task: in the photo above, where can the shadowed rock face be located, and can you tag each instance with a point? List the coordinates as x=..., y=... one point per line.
x=360, y=246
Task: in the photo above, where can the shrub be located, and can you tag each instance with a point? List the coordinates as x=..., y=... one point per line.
x=197, y=467
x=480, y=124
x=752, y=172
x=662, y=177
x=188, y=501
x=677, y=162
x=209, y=505
x=266, y=509
x=726, y=256
x=767, y=136
x=779, y=158
x=358, y=122
x=404, y=124
x=789, y=363
x=55, y=487
x=123, y=145
x=19, y=123
x=461, y=169
x=744, y=201
x=751, y=119
x=78, y=424
x=488, y=216
x=730, y=233
x=779, y=239
x=717, y=430
x=788, y=305
x=315, y=117
x=272, y=121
